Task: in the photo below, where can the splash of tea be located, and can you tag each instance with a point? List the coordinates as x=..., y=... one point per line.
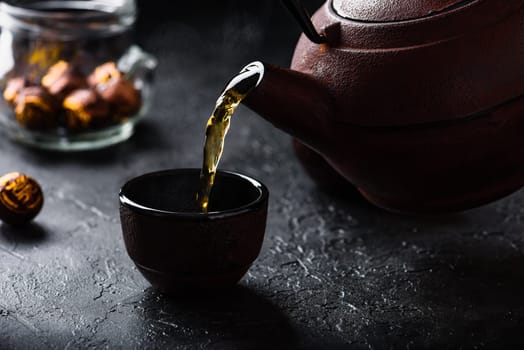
x=218, y=125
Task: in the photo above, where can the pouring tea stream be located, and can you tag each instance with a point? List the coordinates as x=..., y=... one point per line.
x=218, y=126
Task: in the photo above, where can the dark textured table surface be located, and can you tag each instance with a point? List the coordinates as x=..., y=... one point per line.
x=334, y=272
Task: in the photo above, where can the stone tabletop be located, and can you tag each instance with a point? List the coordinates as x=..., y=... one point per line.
x=334, y=271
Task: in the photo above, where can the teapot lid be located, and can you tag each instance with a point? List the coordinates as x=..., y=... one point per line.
x=393, y=10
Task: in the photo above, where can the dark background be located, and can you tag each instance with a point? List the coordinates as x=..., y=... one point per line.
x=260, y=22
x=334, y=271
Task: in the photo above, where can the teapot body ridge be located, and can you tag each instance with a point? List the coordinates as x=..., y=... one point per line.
x=442, y=67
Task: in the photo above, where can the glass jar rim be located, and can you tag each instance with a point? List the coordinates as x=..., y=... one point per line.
x=68, y=19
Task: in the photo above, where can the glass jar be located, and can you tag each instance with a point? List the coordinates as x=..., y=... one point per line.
x=71, y=76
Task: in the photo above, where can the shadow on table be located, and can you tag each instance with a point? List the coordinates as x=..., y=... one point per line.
x=239, y=318
x=23, y=235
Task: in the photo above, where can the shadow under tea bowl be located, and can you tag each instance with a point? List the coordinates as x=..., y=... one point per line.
x=178, y=248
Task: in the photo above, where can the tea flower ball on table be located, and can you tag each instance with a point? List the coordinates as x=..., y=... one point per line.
x=21, y=198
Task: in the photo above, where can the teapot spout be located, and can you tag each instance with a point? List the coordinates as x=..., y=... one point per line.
x=293, y=102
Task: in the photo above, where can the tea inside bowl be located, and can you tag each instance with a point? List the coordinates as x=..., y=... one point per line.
x=174, y=192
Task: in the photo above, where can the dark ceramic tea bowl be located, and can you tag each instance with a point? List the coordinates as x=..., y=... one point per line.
x=176, y=247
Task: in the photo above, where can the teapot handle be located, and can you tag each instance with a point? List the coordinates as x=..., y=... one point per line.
x=300, y=13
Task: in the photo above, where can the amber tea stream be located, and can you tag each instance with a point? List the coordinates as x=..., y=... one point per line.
x=218, y=125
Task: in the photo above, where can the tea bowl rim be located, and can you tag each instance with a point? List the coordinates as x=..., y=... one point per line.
x=259, y=203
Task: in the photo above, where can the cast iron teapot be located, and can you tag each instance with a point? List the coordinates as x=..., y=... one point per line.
x=417, y=103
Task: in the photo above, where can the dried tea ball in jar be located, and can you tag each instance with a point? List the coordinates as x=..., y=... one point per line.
x=62, y=78
x=13, y=88
x=35, y=108
x=121, y=94
x=85, y=109
x=21, y=198
x=103, y=74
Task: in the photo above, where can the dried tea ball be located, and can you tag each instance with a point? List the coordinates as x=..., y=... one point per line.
x=121, y=94
x=12, y=88
x=85, y=109
x=21, y=198
x=103, y=74
x=62, y=78
x=35, y=108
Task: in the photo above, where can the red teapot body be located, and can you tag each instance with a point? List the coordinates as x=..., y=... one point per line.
x=419, y=104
